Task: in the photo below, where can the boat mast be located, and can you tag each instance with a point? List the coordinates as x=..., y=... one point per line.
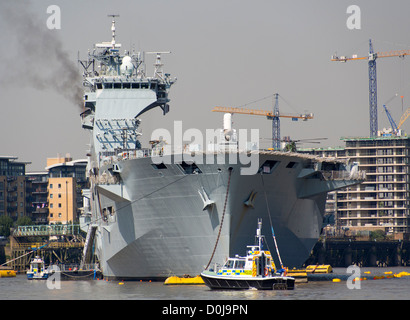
x=259, y=233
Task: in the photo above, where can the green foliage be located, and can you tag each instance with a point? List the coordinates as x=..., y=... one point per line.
x=24, y=221
x=377, y=235
x=5, y=224
x=290, y=147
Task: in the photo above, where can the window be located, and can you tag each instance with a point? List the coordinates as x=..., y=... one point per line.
x=51, y=186
x=268, y=166
x=189, y=168
x=159, y=166
x=59, y=205
x=229, y=264
x=51, y=196
x=291, y=165
x=59, y=186
x=59, y=195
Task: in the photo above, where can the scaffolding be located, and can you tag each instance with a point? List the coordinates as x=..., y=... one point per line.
x=54, y=243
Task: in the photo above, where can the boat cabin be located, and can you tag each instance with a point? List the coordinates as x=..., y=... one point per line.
x=37, y=269
x=256, y=263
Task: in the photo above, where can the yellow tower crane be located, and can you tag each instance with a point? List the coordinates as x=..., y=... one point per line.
x=270, y=116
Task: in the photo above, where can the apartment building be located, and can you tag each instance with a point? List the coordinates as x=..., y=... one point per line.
x=15, y=189
x=66, y=179
x=38, y=196
x=382, y=202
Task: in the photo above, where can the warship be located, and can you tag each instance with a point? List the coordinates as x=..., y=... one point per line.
x=147, y=219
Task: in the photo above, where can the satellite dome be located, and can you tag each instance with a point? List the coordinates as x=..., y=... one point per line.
x=127, y=67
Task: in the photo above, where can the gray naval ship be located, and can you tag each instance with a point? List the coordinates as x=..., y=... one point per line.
x=148, y=219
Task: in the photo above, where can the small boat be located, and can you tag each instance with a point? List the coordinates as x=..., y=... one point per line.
x=37, y=270
x=256, y=270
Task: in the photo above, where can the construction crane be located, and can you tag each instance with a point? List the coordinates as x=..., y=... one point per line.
x=393, y=124
x=372, y=57
x=391, y=120
x=274, y=116
x=403, y=118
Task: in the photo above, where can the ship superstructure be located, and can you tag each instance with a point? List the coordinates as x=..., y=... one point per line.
x=151, y=219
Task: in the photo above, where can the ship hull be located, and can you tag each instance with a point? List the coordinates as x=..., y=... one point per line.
x=162, y=222
x=153, y=220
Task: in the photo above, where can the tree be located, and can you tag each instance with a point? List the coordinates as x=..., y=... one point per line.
x=290, y=147
x=5, y=224
x=24, y=221
x=378, y=235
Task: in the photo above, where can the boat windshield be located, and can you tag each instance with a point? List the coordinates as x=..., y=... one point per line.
x=240, y=264
x=235, y=264
x=229, y=264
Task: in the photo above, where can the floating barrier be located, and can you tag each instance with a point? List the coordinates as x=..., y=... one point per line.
x=324, y=268
x=312, y=272
x=401, y=274
x=184, y=280
x=300, y=275
x=388, y=275
x=7, y=273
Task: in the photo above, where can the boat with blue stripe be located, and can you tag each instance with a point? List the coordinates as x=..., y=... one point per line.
x=256, y=270
x=37, y=270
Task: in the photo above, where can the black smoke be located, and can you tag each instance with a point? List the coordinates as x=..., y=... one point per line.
x=39, y=59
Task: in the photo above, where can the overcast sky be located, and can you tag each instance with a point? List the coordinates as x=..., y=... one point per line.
x=224, y=53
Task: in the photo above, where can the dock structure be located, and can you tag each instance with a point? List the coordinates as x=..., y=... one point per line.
x=54, y=243
x=367, y=253
x=47, y=230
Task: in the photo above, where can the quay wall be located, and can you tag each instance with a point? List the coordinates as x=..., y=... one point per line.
x=345, y=252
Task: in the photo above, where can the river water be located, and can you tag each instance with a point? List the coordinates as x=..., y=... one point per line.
x=19, y=288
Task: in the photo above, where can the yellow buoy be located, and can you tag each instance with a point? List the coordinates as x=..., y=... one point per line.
x=184, y=280
x=336, y=280
x=7, y=273
x=121, y=283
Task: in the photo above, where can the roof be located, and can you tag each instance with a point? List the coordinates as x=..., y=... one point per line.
x=68, y=164
x=376, y=138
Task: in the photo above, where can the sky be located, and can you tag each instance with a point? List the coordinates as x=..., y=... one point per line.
x=224, y=53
